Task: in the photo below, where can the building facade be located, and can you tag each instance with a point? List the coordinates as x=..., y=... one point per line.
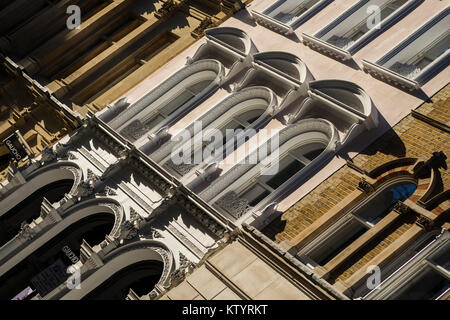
x=347, y=198
x=63, y=72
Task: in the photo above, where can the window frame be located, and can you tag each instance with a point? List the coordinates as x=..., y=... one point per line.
x=304, y=254
x=264, y=18
x=378, y=70
x=316, y=41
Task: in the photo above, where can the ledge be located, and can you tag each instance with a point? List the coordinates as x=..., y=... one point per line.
x=389, y=76
x=326, y=48
x=271, y=23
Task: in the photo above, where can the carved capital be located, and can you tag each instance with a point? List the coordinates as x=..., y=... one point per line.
x=26, y=232
x=402, y=208
x=424, y=222
x=128, y=231
x=365, y=186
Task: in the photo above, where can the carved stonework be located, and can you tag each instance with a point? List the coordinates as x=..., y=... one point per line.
x=365, y=186
x=401, y=208
x=110, y=191
x=436, y=161
x=201, y=216
x=233, y=204
x=424, y=222
x=168, y=8
x=61, y=150
x=84, y=189
x=127, y=231
x=72, y=156
x=185, y=263
x=155, y=234
x=26, y=232
x=205, y=24
x=182, y=168
x=48, y=155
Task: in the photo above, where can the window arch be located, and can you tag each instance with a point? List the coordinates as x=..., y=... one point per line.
x=248, y=108
x=129, y=256
x=302, y=147
x=169, y=100
x=357, y=221
x=25, y=262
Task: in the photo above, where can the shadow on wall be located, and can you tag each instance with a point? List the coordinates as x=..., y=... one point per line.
x=245, y=17
x=275, y=227
x=386, y=142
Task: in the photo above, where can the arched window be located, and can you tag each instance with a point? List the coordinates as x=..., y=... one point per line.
x=300, y=149
x=291, y=163
x=171, y=99
x=243, y=110
x=357, y=221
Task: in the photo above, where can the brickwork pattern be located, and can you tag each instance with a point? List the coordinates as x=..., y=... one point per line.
x=411, y=137
x=371, y=251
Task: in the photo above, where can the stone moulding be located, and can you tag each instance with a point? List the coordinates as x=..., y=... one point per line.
x=378, y=70
x=265, y=19
x=316, y=41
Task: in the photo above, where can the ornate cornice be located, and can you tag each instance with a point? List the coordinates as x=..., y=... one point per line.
x=201, y=216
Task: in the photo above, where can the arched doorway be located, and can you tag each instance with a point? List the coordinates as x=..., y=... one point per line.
x=30, y=208
x=45, y=268
x=141, y=277
x=138, y=266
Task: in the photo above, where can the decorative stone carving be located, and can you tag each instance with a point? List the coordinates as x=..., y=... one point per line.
x=436, y=162
x=48, y=155
x=185, y=263
x=128, y=231
x=155, y=234
x=26, y=232
x=205, y=24
x=168, y=8
x=424, y=222
x=234, y=205
x=72, y=156
x=110, y=191
x=84, y=189
x=365, y=186
x=87, y=188
x=401, y=208
x=182, y=168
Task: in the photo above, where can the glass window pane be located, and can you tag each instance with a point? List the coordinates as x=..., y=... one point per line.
x=442, y=258
x=313, y=154
x=384, y=202
x=255, y=194
x=341, y=239
x=288, y=168
x=428, y=286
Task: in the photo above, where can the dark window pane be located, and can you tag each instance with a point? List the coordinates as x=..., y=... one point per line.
x=284, y=174
x=429, y=286
x=313, y=154
x=384, y=202
x=342, y=242
x=255, y=194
